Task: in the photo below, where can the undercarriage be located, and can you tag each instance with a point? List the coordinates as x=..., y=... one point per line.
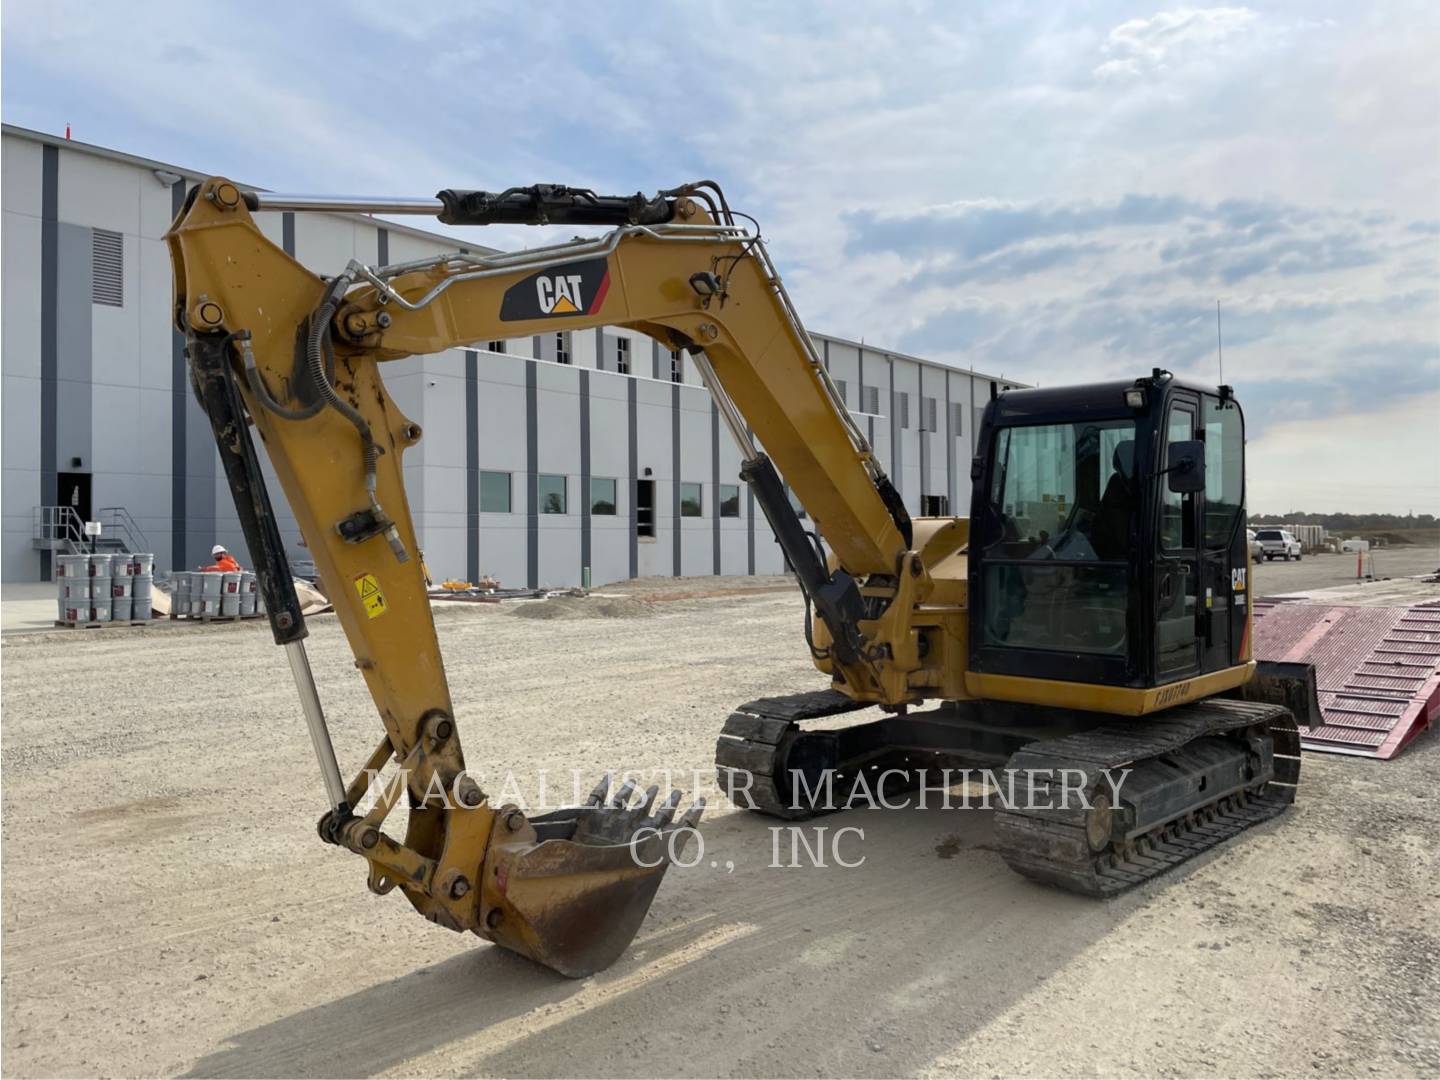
x=1088, y=802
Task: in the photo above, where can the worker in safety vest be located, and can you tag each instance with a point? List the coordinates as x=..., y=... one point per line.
x=224, y=561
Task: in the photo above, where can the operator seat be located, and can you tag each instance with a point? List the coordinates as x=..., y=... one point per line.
x=1112, y=526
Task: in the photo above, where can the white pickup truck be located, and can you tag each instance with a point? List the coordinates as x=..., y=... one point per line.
x=1278, y=544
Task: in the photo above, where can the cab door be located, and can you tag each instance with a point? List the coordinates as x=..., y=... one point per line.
x=1177, y=581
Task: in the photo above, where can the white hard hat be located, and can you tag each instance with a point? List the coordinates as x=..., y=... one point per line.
x=218, y=549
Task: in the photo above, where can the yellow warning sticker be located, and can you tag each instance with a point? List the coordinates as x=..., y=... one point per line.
x=370, y=595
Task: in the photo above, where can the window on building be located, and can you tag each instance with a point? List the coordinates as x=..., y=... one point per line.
x=602, y=496
x=957, y=421
x=870, y=400
x=622, y=355
x=795, y=502
x=677, y=366
x=645, y=508
x=107, y=267
x=900, y=408
x=494, y=492
x=691, y=504
x=729, y=500
x=842, y=389
x=550, y=490
x=562, y=348
x=929, y=414
x=934, y=505
x=495, y=346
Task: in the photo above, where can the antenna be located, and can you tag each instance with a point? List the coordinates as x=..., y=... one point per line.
x=1219, y=342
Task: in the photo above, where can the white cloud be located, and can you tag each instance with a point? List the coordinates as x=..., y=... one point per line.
x=1138, y=46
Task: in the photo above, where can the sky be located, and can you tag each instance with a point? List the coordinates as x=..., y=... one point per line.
x=1054, y=192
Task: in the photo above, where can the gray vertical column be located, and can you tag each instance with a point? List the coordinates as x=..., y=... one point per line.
x=382, y=246
x=715, y=479
x=179, y=393
x=632, y=423
x=974, y=424
x=585, y=469
x=895, y=464
x=472, y=465
x=49, y=329
x=826, y=353
x=287, y=232
x=675, y=475
x=654, y=359
x=532, y=476
x=924, y=436
x=535, y=346
x=860, y=377
x=953, y=492
x=600, y=351
x=749, y=520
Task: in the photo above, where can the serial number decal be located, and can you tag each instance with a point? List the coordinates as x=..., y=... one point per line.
x=1172, y=694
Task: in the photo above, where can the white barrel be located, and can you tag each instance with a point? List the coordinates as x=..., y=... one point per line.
x=120, y=608
x=230, y=592
x=75, y=611
x=121, y=566
x=247, y=593
x=143, y=597
x=72, y=566
x=100, y=608
x=122, y=586
x=76, y=588
x=100, y=565
x=205, y=589
x=142, y=564
x=180, y=593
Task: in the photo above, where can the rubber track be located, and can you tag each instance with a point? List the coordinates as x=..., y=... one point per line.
x=1050, y=845
x=755, y=739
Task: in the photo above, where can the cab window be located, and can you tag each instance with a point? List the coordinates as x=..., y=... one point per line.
x=1177, y=518
x=1224, y=472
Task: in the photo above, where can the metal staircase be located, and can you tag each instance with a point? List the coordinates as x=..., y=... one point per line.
x=61, y=529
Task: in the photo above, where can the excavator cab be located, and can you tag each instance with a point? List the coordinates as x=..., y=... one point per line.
x=1107, y=536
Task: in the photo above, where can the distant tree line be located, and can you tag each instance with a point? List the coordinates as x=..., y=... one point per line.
x=1351, y=522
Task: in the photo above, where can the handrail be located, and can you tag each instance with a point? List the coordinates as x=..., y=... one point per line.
x=120, y=520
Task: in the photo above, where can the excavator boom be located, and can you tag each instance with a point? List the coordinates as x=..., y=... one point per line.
x=274, y=347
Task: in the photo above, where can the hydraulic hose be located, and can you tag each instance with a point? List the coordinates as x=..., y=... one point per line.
x=315, y=359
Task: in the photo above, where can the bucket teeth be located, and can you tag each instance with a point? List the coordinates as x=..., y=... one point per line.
x=621, y=801
x=667, y=810
x=691, y=817
x=644, y=808
x=597, y=795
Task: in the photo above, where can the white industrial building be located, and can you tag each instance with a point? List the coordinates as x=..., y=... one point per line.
x=540, y=456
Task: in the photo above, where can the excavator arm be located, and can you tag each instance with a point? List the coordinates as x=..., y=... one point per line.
x=297, y=358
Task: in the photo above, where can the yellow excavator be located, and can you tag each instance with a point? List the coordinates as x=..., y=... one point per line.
x=1087, y=626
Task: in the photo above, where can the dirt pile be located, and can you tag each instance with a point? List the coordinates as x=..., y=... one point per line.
x=584, y=607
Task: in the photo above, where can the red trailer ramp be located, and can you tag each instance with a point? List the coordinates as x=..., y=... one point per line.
x=1377, y=669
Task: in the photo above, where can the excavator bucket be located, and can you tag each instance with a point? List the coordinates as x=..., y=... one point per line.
x=569, y=889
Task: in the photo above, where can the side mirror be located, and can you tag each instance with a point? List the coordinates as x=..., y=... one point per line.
x=1186, y=466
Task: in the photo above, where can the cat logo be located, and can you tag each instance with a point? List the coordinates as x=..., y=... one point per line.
x=576, y=288
x=1237, y=579
x=559, y=295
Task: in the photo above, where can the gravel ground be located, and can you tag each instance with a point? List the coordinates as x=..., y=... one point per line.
x=168, y=909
